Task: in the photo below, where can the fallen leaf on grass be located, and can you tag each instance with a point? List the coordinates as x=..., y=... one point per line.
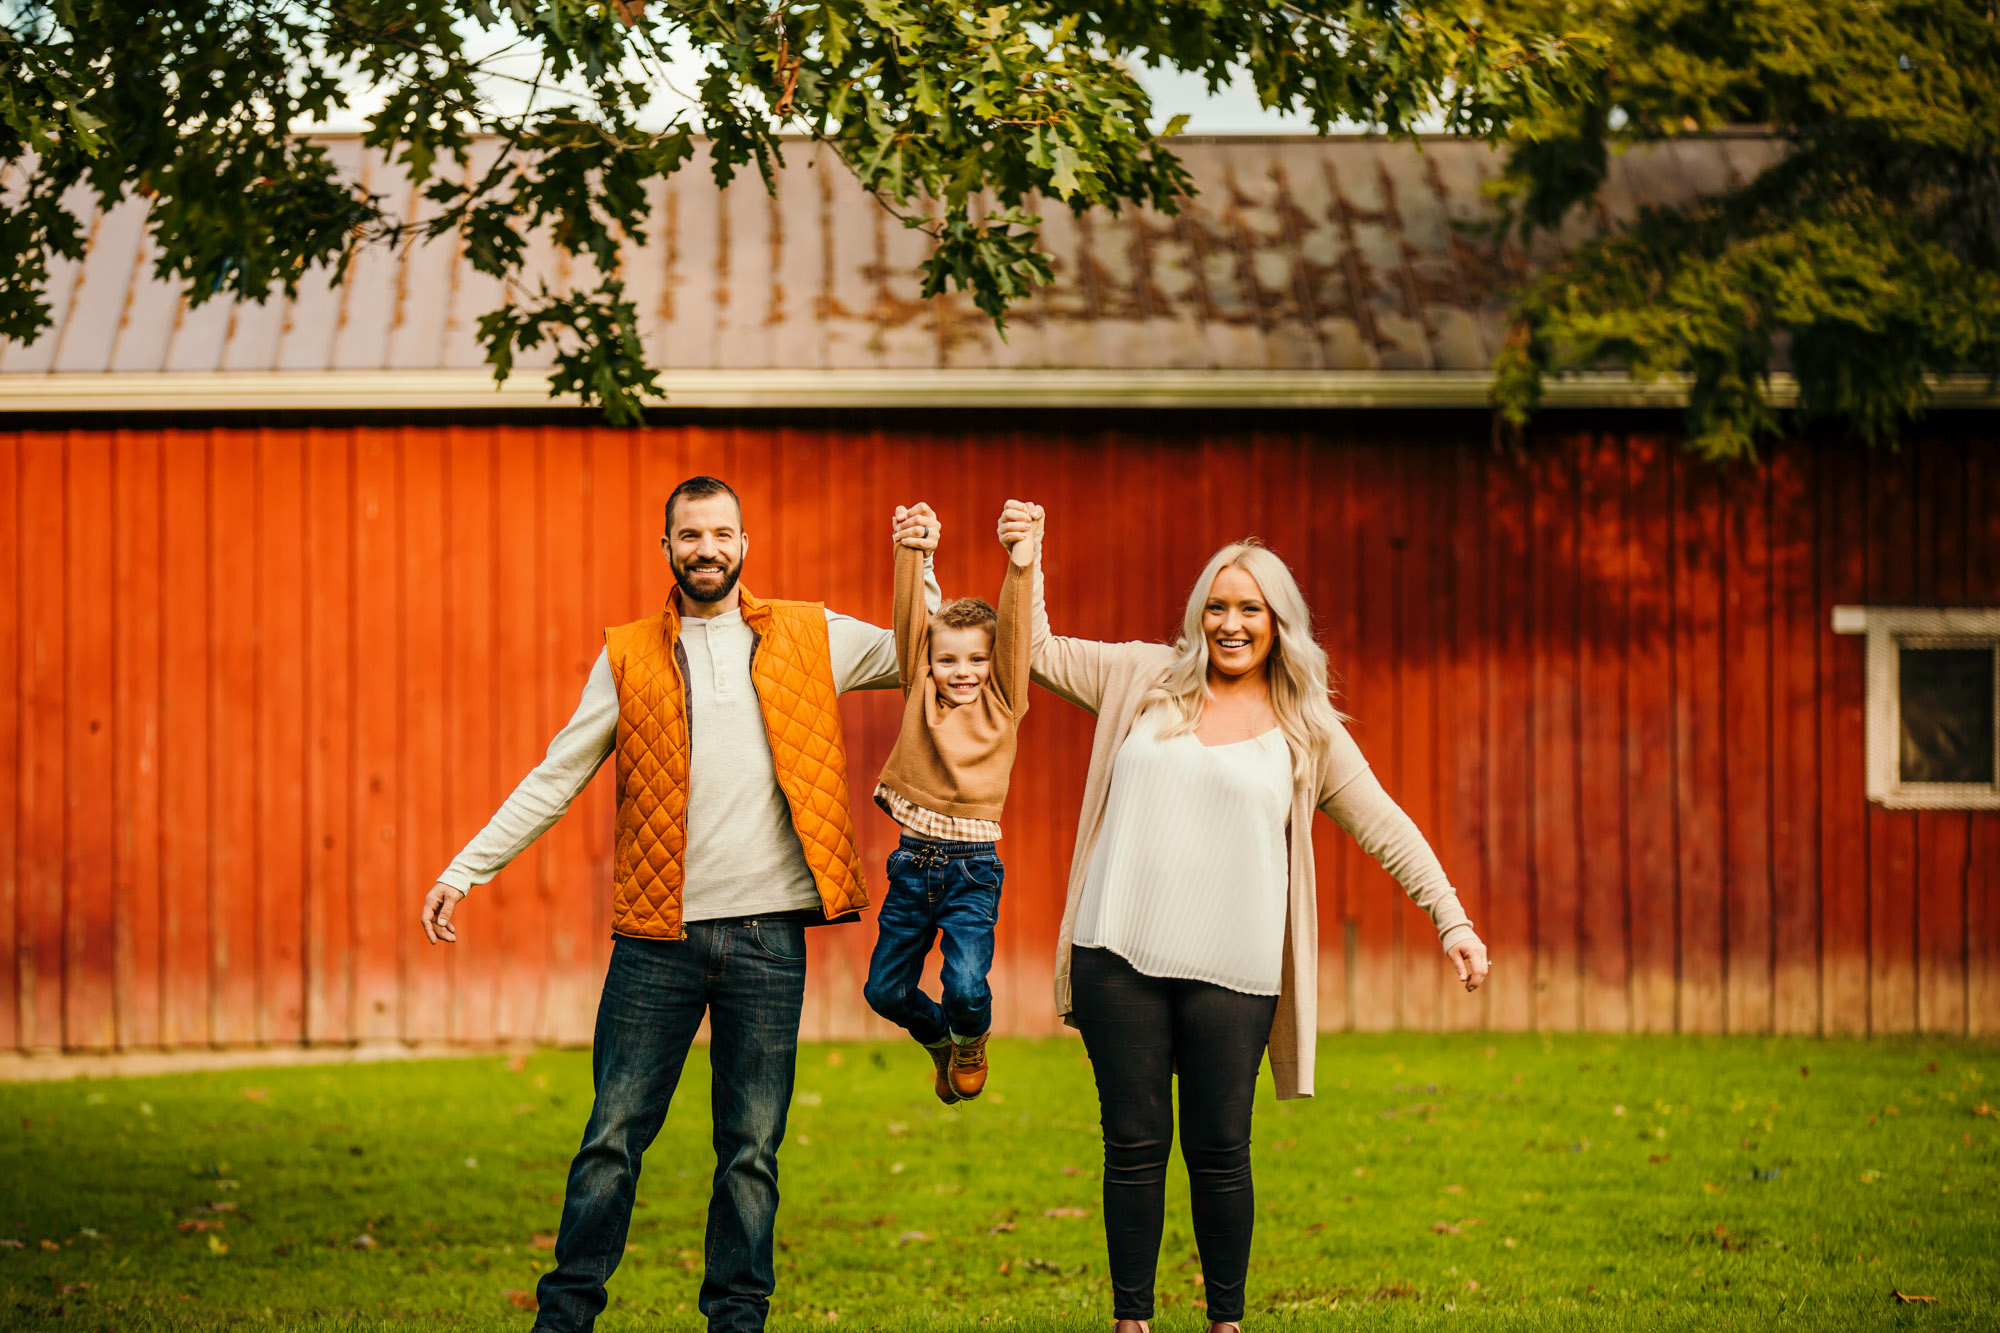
x=1065, y=1212
x=188, y=1226
x=913, y=1237
x=1315, y=1228
x=217, y=1245
x=517, y=1062
x=999, y=1228
x=1982, y=1110
x=1930, y=1067
x=1805, y=1071
x=1072, y=1170
x=1655, y=1158
x=9, y=1243
x=522, y=1300
x=1903, y=1298
x=833, y=1058
x=256, y=1094
x=1444, y=1228
x=542, y=1240
x=364, y=1241
x=51, y=1245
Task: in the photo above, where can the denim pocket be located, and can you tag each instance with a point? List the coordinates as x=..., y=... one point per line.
x=986, y=872
x=782, y=940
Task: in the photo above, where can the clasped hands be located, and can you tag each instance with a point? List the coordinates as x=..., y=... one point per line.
x=918, y=526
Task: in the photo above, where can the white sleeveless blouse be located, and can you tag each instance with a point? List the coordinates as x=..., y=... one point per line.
x=1189, y=875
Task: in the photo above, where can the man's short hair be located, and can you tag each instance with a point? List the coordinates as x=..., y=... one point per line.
x=699, y=488
x=967, y=613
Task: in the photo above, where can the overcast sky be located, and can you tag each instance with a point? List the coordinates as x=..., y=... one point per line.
x=1234, y=110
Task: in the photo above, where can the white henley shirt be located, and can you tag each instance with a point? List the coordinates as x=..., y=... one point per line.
x=743, y=855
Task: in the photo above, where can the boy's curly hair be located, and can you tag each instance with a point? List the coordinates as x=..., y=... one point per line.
x=966, y=613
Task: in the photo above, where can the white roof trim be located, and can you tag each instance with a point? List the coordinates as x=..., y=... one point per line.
x=408, y=390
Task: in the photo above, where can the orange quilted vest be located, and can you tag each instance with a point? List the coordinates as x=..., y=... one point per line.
x=791, y=668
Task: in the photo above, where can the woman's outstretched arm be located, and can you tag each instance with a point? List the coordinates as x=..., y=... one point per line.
x=1072, y=668
x=1353, y=798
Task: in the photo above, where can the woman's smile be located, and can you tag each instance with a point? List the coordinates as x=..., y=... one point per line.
x=1237, y=623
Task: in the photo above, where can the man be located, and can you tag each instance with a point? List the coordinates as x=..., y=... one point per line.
x=733, y=832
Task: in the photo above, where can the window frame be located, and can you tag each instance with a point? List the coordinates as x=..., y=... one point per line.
x=1888, y=630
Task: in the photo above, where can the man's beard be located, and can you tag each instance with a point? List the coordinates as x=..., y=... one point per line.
x=695, y=593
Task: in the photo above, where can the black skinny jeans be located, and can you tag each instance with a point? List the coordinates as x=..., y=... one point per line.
x=1139, y=1031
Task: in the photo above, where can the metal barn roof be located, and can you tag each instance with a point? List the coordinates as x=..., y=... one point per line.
x=1306, y=270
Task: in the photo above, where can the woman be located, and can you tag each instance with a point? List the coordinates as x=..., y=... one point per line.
x=1189, y=939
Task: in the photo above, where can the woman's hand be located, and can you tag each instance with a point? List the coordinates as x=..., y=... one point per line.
x=1020, y=520
x=917, y=526
x=1020, y=531
x=1469, y=957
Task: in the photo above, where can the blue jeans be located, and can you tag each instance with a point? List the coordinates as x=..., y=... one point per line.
x=937, y=888
x=748, y=974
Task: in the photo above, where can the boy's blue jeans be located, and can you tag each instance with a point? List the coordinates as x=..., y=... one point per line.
x=748, y=975
x=937, y=888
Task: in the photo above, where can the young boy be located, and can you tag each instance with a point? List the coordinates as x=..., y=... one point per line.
x=965, y=686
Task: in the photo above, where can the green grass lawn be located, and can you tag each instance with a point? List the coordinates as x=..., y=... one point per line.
x=1508, y=1181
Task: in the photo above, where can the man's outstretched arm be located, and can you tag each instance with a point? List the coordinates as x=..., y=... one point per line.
x=574, y=757
x=864, y=655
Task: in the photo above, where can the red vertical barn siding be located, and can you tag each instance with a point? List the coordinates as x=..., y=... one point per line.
x=257, y=685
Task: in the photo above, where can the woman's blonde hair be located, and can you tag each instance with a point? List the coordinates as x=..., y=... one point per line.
x=1301, y=694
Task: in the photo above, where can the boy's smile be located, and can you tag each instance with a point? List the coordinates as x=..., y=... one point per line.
x=961, y=661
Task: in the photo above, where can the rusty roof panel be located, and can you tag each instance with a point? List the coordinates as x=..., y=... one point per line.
x=1299, y=253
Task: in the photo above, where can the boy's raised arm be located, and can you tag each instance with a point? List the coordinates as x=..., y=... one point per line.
x=912, y=617
x=1012, y=636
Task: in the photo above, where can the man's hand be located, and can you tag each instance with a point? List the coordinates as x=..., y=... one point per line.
x=1470, y=960
x=438, y=904
x=917, y=526
x=1021, y=522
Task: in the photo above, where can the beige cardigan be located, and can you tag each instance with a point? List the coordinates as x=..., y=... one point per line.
x=1108, y=679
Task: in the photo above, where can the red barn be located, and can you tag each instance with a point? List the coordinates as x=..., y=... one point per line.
x=290, y=597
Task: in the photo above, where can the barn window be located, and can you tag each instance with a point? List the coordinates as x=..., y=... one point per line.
x=1933, y=705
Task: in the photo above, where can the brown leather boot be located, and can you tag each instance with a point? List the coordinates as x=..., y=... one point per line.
x=968, y=1067
x=941, y=1057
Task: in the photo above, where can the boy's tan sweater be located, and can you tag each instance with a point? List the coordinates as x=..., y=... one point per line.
x=956, y=761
